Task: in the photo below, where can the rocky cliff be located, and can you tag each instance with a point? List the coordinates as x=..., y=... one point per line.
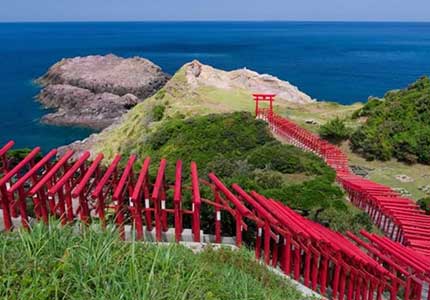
x=94, y=91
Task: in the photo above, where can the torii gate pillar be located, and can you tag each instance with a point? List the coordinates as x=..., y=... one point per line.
x=265, y=98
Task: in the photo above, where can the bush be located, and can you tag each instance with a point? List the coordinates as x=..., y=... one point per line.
x=17, y=155
x=335, y=131
x=397, y=126
x=424, y=204
x=158, y=112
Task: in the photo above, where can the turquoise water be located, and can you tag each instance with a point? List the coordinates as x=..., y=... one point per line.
x=343, y=62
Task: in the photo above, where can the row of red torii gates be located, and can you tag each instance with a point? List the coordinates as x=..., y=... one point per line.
x=340, y=267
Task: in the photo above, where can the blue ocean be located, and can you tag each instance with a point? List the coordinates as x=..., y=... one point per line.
x=342, y=62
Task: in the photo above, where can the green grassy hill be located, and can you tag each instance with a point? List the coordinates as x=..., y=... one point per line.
x=176, y=99
x=55, y=263
x=397, y=125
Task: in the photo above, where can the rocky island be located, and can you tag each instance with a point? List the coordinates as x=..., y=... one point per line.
x=94, y=91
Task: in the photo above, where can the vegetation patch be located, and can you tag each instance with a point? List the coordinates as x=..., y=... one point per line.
x=335, y=131
x=240, y=149
x=396, y=126
x=55, y=263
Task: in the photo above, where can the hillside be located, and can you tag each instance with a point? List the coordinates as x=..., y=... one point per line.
x=241, y=149
x=56, y=263
x=396, y=126
x=398, y=110
x=191, y=118
x=196, y=89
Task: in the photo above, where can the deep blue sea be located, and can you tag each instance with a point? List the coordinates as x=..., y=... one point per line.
x=343, y=62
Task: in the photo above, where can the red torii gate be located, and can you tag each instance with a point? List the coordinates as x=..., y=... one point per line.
x=265, y=98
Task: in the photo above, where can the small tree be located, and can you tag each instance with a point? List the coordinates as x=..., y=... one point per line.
x=335, y=131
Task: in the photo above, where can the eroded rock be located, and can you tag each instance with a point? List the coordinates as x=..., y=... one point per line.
x=94, y=91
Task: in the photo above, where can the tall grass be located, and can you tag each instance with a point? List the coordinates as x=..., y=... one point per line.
x=54, y=263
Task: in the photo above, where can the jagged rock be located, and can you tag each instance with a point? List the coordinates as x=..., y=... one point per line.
x=198, y=74
x=80, y=107
x=94, y=91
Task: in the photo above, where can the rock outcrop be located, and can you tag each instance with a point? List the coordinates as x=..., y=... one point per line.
x=198, y=74
x=94, y=91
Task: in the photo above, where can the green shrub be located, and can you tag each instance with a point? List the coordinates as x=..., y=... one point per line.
x=17, y=155
x=366, y=110
x=158, y=112
x=397, y=126
x=424, y=204
x=335, y=131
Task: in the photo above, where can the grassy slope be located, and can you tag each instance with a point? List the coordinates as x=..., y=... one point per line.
x=179, y=99
x=57, y=264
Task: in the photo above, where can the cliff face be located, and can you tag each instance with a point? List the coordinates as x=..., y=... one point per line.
x=95, y=91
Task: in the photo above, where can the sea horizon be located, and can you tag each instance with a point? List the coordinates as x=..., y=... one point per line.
x=216, y=21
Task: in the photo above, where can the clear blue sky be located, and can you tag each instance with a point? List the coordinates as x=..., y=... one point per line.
x=144, y=10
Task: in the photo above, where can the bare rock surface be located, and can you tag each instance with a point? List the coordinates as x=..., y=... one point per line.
x=198, y=74
x=94, y=91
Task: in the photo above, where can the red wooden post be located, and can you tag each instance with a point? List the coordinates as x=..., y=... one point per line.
x=351, y=285
x=307, y=267
x=287, y=253
x=196, y=201
x=314, y=275
x=267, y=236
x=342, y=284
x=156, y=197
x=141, y=189
x=118, y=195
x=258, y=242
x=297, y=261
x=177, y=201
x=238, y=229
x=336, y=277
x=217, y=216
x=98, y=194
x=79, y=190
x=323, y=275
